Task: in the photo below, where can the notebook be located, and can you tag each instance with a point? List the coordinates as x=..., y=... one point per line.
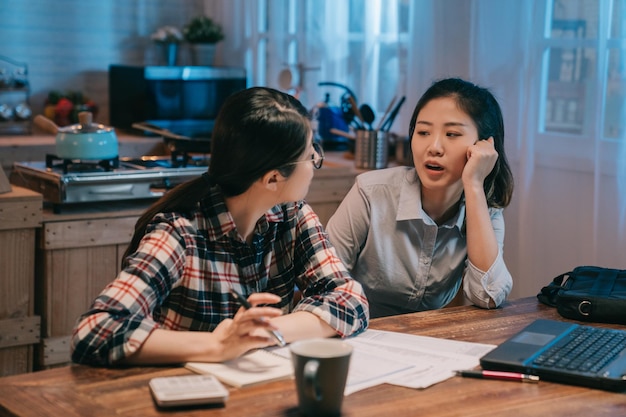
x=254, y=367
x=563, y=352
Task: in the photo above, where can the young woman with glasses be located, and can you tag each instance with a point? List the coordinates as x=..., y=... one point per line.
x=241, y=226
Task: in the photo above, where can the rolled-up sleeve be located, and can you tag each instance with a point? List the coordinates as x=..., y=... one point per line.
x=496, y=283
x=121, y=317
x=328, y=289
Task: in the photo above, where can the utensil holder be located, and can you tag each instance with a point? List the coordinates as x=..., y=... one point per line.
x=371, y=150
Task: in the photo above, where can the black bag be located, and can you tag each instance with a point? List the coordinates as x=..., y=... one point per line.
x=588, y=293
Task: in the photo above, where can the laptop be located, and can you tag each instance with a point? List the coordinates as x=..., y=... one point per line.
x=563, y=352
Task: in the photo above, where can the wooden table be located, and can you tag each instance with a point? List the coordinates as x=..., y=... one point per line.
x=86, y=391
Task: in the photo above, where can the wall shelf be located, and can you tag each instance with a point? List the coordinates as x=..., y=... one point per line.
x=15, y=113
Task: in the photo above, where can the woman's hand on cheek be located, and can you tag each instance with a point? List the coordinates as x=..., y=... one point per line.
x=481, y=158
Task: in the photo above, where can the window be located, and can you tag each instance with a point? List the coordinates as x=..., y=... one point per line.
x=359, y=44
x=582, y=85
x=615, y=90
x=585, y=77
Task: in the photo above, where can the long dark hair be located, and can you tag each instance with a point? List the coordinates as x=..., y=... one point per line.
x=485, y=111
x=256, y=130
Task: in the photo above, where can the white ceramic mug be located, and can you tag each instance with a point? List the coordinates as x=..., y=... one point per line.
x=321, y=370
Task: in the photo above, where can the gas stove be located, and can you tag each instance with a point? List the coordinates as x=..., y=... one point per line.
x=63, y=182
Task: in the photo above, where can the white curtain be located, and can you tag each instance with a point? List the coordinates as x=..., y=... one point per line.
x=621, y=161
x=357, y=44
x=569, y=205
x=621, y=179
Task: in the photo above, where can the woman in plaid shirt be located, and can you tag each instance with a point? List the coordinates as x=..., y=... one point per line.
x=241, y=226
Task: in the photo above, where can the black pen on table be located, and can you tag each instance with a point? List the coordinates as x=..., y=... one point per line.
x=245, y=304
x=504, y=376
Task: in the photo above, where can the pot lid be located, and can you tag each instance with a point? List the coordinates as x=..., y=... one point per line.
x=85, y=125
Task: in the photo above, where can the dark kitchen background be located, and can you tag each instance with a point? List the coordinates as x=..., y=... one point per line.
x=556, y=66
x=68, y=45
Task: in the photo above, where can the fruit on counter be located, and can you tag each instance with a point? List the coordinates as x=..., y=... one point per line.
x=63, y=111
x=54, y=97
x=49, y=111
x=64, y=108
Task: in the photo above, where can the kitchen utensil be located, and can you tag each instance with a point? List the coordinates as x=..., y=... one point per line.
x=367, y=113
x=85, y=140
x=46, y=124
x=371, y=149
x=177, y=144
x=386, y=126
x=346, y=107
x=330, y=83
x=389, y=107
x=357, y=113
x=342, y=133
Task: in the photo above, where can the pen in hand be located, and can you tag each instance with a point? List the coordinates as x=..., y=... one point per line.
x=245, y=304
x=505, y=376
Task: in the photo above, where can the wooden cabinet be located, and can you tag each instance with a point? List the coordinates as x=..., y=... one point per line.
x=79, y=253
x=20, y=216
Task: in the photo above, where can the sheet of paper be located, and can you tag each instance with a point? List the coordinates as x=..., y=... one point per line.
x=432, y=344
x=367, y=368
x=406, y=360
x=432, y=359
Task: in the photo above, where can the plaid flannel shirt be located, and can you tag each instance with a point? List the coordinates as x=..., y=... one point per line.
x=180, y=276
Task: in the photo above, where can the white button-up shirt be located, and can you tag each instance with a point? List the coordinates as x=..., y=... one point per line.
x=403, y=259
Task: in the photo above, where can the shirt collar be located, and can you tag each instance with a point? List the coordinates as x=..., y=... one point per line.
x=410, y=203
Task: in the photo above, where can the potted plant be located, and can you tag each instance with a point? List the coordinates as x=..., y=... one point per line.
x=168, y=37
x=203, y=33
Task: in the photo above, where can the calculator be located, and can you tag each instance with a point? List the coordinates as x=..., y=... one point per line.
x=173, y=391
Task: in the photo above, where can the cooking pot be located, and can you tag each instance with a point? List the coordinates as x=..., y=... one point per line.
x=85, y=140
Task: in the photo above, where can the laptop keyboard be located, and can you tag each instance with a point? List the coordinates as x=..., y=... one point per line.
x=586, y=349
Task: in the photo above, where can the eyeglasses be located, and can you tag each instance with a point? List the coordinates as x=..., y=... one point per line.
x=317, y=158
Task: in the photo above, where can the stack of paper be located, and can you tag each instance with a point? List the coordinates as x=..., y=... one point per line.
x=378, y=357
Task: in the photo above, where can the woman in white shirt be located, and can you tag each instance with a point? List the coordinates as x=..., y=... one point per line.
x=414, y=236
